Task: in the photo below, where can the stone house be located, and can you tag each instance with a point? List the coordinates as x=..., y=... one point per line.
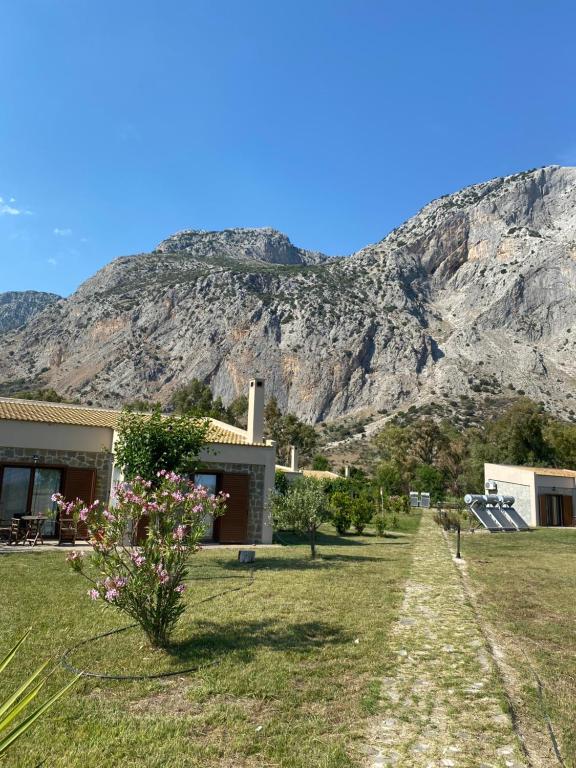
x=50, y=447
x=544, y=496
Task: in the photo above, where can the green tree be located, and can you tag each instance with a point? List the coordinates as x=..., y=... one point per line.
x=561, y=437
x=321, y=463
x=238, y=411
x=341, y=511
x=303, y=508
x=196, y=399
x=287, y=430
x=389, y=478
x=363, y=508
x=430, y=480
x=148, y=443
x=517, y=437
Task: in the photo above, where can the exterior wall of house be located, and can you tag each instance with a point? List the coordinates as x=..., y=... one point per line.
x=517, y=482
x=101, y=461
x=258, y=462
x=60, y=437
x=526, y=485
x=91, y=447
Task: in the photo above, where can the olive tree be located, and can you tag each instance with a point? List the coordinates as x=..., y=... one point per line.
x=303, y=508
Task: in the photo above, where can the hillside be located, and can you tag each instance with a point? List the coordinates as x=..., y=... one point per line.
x=472, y=298
x=19, y=307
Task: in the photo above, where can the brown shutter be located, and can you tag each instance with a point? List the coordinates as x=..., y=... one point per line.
x=543, y=513
x=567, y=511
x=80, y=484
x=232, y=527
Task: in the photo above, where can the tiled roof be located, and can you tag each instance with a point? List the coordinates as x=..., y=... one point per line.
x=547, y=471
x=13, y=409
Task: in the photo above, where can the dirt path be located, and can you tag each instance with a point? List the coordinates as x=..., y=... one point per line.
x=444, y=704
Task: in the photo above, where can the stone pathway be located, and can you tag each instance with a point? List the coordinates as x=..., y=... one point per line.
x=444, y=704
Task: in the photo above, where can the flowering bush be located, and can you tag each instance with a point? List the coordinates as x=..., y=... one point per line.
x=145, y=581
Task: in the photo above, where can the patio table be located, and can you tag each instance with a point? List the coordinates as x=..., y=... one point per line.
x=33, y=529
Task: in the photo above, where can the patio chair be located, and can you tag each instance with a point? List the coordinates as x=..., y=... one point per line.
x=16, y=532
x=67, y=531
x=34, y=532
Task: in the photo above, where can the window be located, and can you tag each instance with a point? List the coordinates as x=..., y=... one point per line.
x=210, y=482
x=28, y=490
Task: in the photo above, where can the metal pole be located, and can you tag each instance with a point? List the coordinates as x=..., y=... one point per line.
x=458, y=555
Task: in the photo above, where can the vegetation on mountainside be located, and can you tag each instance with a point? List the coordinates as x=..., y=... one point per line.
x=423, y=454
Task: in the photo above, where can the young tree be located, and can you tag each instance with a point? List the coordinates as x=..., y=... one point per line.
x=148, y=443
x=303, y=508
x=362, y=511
x=341, y=511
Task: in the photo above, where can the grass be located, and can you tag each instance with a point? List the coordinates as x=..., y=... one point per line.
x=526, y=585
x=290, y=663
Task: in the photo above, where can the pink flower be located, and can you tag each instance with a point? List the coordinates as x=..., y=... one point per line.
x=83, y=514
x=72, y=557
x=109, y=516
x=120, y=582
x=162, y=573
x=111, y=595
x=137, y=559
x=179, y=533
x=180, y=588
x=94, y=594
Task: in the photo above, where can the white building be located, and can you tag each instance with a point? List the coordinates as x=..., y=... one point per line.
x=50, y=447
x=544, y=497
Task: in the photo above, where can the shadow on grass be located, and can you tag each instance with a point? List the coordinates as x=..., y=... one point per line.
x=322, y=539
x=304, y=563
x=212, y=640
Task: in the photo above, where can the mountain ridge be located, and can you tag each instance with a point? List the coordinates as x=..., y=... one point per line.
x=472, y=297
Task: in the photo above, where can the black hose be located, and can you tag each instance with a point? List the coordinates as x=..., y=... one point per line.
x=187, y=670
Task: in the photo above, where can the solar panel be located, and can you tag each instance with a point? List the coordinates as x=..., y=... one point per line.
x=484, y=517
x=516, y=518
x=505, y=523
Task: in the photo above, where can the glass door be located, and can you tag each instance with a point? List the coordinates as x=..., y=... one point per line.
x=14, y=493
x=46, y=482
x=209, y=482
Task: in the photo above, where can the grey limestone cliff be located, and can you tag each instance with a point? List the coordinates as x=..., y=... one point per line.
x=473, y=295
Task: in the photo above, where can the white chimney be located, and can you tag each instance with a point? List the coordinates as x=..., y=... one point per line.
x=293, y=458
x=256, y=411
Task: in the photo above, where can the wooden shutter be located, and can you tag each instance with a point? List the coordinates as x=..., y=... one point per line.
x=232, y=527
x=80, y=484
x=543, y=510
x=567, y=511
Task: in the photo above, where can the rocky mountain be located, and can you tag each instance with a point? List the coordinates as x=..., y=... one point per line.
x=241, y=244
x=18, y=307
x=472, y=299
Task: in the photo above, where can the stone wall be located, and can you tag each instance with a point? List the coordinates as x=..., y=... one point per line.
x=101, y=461
x=257, y=493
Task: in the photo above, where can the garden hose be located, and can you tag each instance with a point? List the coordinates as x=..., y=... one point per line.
x=126, y=678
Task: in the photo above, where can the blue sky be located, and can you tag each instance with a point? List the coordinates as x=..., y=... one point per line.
x=123, y=122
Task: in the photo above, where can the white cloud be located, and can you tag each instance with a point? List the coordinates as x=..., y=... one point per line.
x=7, y=209
x=52, y=262
x=65, y=232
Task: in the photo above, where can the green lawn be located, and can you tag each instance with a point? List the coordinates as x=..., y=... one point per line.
x=526, y=585
x=291, y=687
